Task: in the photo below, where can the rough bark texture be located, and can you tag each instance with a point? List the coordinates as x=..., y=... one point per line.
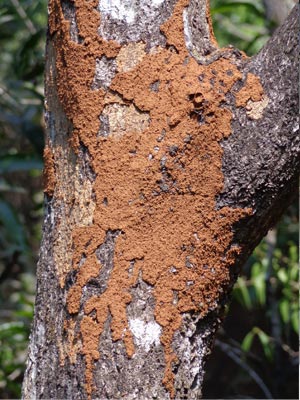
x=261, y=156
x=167, y=160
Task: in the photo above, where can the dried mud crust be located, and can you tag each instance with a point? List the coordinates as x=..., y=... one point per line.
x=156, y=180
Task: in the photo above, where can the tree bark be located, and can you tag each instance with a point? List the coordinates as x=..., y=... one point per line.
x=278, y=10
x=167, y=160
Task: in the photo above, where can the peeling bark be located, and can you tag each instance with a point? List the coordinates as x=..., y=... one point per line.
x=167, y=160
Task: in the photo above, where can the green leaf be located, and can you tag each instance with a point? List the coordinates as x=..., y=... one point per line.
x=241, y=288
x=284, y=309
x=287, y=293
x=247, y=341
x=230, y=7
x=295, y=321
x=294, y=272
x=8, y=329
x=259, y=285
x=256, y=270
x=24, y=313
x=282, y=275
x=293, y=252
x=266, y=343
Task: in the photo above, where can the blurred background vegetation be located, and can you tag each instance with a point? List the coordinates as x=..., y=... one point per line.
x=256, y=352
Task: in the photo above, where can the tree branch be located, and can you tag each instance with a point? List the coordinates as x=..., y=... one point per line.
x=261, y=156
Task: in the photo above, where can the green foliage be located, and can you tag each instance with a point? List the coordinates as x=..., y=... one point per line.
x=22, y=32
x=241, y=23
x=253, y=291
x=264, y=339
x=14, y=334
x=22, y=36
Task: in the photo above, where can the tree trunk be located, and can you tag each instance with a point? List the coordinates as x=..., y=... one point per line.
x=278, y=10
x=167, y=160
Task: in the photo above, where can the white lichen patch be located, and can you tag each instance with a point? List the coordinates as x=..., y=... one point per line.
x=105, y=71
x=157, y=3
x=255, y=109
x=122, y=10
x=145, y=334
x=187, y=31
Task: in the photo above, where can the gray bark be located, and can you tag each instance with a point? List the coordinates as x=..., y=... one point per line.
x=261, y=157
x=260, y=167
x=278, y=10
